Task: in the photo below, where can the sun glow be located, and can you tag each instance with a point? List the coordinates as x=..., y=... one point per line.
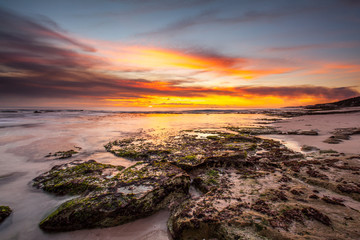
x=217, y=101
x=164, y=60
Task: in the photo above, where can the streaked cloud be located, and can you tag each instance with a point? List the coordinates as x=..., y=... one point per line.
x=214, y=17
x=38, y=62
x=316, y=46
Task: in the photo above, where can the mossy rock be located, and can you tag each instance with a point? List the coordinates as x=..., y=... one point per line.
x=75, y=178
x=186, y=151
x=133, y=193
x=5, y=211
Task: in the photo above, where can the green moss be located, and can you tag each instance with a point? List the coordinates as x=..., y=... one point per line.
x=130, y=154
x=5, y=209
x=213, y=173
x=62, y=154
x=57, y=211
x=158, y=152
x=328, y=151
x=253, y=147
x=212, y=181
x=120, y=168
x=213, y=137
x=74, y=180
x=190, y=158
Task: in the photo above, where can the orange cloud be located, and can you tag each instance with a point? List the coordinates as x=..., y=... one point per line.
x=164, y=60
x=337, y=67
x=41, y=64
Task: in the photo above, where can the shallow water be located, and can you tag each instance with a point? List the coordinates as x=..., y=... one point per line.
x=27, y=137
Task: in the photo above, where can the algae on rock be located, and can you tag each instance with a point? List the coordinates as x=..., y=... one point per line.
x=5, y=211
x=113, y=196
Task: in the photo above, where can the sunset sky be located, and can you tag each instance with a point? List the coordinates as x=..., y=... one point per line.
x=178, y=54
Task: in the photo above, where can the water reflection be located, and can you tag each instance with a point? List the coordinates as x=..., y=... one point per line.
x=24, y=145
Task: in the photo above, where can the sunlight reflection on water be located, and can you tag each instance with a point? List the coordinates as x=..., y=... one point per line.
x=25, y=139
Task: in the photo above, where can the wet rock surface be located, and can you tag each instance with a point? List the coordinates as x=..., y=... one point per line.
x=64, y=154
x=250, y=188
x=5, y=211
x=341, y=134
x=110, y=195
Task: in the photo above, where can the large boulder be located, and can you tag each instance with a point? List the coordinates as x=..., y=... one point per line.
x=114, y=196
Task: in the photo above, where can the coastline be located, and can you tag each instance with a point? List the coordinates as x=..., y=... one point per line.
x=254, y=164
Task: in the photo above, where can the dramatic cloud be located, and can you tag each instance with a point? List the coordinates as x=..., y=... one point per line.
x=191, y=60
x=301, y=91
x=38, y=62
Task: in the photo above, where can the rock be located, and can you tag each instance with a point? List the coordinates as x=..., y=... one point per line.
x=332, y=200
x=315, y=214
x=314, y=196
x=341, y=134
x=332, y=140
x=307, y=148
x=348, y=188
x=251, y=188
x=63, y=154
x=202, y=219
x=76, y=177
x=188, y=150
x=316, y=174
x=309, y=132
x=303, y=132
x=5, y=211
x=114, y=196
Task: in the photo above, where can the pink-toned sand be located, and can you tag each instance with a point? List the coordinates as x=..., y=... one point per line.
x=324, y=124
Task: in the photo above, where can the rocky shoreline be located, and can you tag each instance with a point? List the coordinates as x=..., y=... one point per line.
x=251, y=188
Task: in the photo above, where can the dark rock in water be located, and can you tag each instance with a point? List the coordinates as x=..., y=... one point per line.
x=303, y=132
x=332, y=140
x=341, y=134
x=309, y=132
x=5, y=211
x=112, y=195
x=63, y=154
x=307, y=148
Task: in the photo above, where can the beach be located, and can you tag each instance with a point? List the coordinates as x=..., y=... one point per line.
x=28, y=141
x=27, y=137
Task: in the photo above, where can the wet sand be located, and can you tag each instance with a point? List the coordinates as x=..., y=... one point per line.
x=325, y=125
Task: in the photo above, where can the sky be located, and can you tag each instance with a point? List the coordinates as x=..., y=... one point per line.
x=178, y=54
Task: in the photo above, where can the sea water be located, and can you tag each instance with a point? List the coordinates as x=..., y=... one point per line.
x=26, y=137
